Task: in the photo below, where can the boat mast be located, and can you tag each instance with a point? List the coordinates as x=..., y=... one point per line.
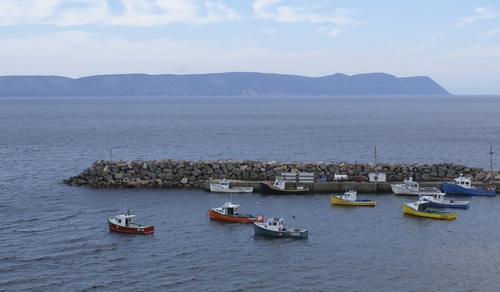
x=376, y=171
x=491, y=164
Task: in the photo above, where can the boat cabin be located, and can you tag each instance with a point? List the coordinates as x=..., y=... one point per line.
x=275, y=224
x=280, y=183
x=463, y=182
x=229, y=209
x=124, y=220
x=439, y=196
x=350, y=196
x=224, y=183
x=410, y=183
x=422, y=205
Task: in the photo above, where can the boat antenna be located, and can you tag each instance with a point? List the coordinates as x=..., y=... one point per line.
x=376, y=171
x=491, y=164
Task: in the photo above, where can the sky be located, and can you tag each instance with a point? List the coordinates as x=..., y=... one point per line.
x=454, y=42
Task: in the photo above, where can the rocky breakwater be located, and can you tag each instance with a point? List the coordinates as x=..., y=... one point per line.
x=181, y=173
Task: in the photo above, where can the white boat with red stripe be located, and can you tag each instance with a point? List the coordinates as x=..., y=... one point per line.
x=124, y=224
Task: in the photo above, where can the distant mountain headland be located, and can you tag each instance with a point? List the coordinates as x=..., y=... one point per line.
x=219, y=84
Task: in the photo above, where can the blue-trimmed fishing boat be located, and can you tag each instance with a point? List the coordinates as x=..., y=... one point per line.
x=438, y=200
x=462, y=186
x=274, y=227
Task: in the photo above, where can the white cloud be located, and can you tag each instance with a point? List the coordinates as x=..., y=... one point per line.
x=268, y=9
x=480, y=13
x=476, y=51
x=269, y=31
x=329, y=31
x=93, y=13
x=433, y=37
x=261, y=7
x=26, y=11
x=272, y=10
x=493, y=32
x=135, y=12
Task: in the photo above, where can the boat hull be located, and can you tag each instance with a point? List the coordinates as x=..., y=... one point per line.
x=400, y=190
x=286, y=233
x=449, y=204
x=451, y=188
x=429, y=213
x=132, y=229
x=338, y=201
x=267, y=189
x=241, y=218
x=219, y=189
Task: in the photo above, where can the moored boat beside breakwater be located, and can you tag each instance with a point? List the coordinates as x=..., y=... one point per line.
x=198, y=174
x=411, y=187
x=462, y=185
x=279, y=187
x=350, y=198
x=224, y=186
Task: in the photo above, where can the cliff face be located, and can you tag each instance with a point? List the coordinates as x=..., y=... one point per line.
x=218, y=84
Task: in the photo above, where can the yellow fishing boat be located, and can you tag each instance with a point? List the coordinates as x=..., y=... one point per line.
x=421, y=208
x=350, y=198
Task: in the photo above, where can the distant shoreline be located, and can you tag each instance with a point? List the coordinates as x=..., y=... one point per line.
x=220, y=84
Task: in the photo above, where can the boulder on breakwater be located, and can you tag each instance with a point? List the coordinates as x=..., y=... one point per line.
x=194, y=174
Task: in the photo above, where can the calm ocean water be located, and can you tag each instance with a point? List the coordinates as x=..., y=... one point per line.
x=54, y=237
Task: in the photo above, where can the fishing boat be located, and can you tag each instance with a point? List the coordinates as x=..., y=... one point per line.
x=279, y=188
x=229, y=212
x=350, y=198
x=462, y=185
x=274, y=227
x=412, y=188
x=421, y=208
x=224, y=186
x=123, y=224
x=438, y=200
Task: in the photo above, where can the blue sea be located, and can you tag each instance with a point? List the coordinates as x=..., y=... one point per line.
x=54, y=237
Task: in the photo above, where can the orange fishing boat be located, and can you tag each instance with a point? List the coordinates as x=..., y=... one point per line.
x=229, y=212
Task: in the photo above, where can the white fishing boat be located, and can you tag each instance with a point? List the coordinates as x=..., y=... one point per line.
x=438, y=200
x=224, y=186
x=412, y=188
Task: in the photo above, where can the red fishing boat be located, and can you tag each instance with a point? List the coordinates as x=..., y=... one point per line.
x=229, y=212
x=124, y=224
